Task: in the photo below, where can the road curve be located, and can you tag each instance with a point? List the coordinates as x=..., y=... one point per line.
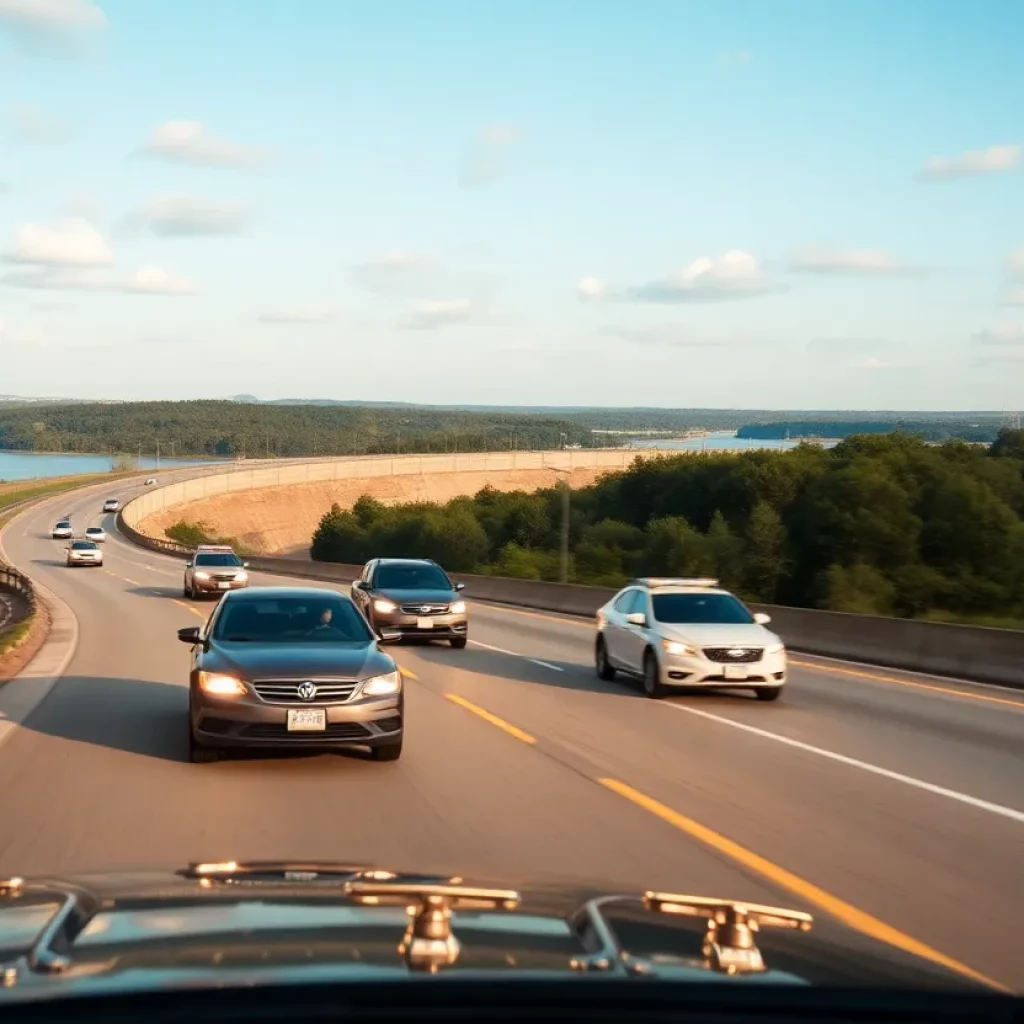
x=886, y=800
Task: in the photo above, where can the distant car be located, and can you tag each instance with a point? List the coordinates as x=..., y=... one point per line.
x=291, y=667
x=83, y=552
x=96, y=534
x=150, y=481
x=63, y=530
x=679, y=633
x=213, y=569
x=414, y=597
x=111, y=505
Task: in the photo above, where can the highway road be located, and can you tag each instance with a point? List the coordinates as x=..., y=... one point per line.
x=884, y=800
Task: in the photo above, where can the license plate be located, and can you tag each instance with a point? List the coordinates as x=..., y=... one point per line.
x=735, y=671
x=424, y=623
x=307, y=720
x=224, y=586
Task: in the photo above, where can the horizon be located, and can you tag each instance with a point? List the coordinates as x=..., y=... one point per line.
x=674, y=207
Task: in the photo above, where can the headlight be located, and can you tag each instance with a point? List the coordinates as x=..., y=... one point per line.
x=202, y=575
x=776, y=649
x=382, y=686
x=220, y=686
x=241, y=575
x=676, y=647
x=384, y=605
x=457, y=608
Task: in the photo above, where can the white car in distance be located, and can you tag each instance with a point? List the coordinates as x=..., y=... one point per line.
x=63, y=530
x=96, y=534
x=688, y=633
x=111, y=505
x=83, y=552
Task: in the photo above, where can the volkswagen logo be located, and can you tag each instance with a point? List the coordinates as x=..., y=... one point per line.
x=307, y=690
x=736, y=652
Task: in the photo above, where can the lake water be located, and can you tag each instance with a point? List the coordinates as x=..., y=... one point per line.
x=721, y=440
x=32, y=466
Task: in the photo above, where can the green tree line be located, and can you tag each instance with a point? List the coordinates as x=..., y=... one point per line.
x=235, y=429
x=885, y=525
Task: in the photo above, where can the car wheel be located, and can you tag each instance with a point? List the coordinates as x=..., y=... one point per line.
x=605, y=669
x=768, y=692
x=387, y=752
x=184, y=590
x=198, y=754
x=653, y=686
x=458, y=642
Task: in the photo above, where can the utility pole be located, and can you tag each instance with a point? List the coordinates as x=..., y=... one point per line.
x=158, y=455
x=564, y=573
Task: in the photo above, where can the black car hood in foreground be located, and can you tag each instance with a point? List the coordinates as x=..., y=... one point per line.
x=272, y=924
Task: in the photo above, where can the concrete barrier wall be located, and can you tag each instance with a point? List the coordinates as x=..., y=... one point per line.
x=240, y=477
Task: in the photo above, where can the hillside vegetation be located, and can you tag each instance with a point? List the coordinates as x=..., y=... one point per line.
x=879, y=524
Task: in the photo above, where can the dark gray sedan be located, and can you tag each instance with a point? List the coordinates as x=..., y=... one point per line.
x=291, y=667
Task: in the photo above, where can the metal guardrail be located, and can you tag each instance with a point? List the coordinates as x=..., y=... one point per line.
x=164, y=547
x=16, y=582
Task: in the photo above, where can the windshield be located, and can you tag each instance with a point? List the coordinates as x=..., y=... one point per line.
x=702, y=608
x=218, y=560
x=83, y=545
x=414, y=576
x=317, y=620
x=63, y=525
x=94, y=529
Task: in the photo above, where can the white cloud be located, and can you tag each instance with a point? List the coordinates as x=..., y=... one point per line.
x=19, y=334
x=69, y=242
x=733, y=275
x=394, y=272
x=1006, y=333
x=592, y=289
x=440, y=313
x=189, y=216
x=145, y=280
x=485, y=159
x=29, y=123
x=974, y=162
x=61, y=25
x=860, y=262
x=188, y=142
x=298, y=315
x=1014, y=297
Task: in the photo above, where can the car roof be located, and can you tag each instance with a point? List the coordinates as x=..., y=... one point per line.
x=256, y=593
x=406, y=561
x=215, y=547
x=677, y=585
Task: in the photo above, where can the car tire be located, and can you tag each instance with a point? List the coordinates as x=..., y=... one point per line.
x=387, y=752
x=605, y=669
x=198, y=754
x=459, y=642
x=653, y=686
x=768, y=692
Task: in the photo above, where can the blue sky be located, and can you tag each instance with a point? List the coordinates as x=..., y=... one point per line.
x=807, y=204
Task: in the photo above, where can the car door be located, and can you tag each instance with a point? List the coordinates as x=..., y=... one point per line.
x=615, y=630
x=359, y=595
x=635, y=638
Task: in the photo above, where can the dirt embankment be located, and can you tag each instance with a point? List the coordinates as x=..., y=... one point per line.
x=281, y=520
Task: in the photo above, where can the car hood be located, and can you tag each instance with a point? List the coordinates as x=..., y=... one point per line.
x=297, y=661
x=426, y=596
x=715, y=634
x=272, y=923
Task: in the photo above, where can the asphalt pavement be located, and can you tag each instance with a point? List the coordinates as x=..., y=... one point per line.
x=884, y=800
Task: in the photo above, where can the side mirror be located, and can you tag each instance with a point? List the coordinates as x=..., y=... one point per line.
x=762, y=619
x=637, y=619
x=190, y=635
x=245, y=565
x=460, y=586
x=389, y=636
x=361, y=585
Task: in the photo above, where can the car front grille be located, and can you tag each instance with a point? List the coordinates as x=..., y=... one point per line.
x=424, y=609
x=221, y=577
x=334, y=731
x=733, y=655
x=284, y=691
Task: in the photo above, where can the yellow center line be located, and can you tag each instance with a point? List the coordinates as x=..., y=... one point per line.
x=845, y=912
x=493, y=719
x=194, y=611
x=875, y=677
x=408, y=672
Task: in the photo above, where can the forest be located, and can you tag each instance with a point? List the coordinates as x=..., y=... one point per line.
x=879, y=524
x=229, y=429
